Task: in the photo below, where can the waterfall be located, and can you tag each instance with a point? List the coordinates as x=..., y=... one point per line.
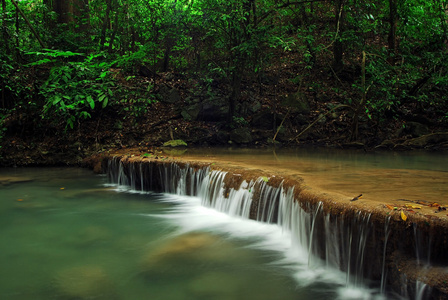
x=235, y=202
x=383, y=268
x=341, y=247
x=420, y=289
x=318, y=237
x=422, y=246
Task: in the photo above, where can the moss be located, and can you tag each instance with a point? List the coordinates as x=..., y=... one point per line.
x=175, y=143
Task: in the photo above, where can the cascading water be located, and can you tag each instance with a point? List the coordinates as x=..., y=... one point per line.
x=420, y=290
x=319, y=240
x=383, y=268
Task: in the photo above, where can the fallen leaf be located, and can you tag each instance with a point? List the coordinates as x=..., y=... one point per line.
x=357, y=197
x=19, y=199
x=413, y=206
x=389, y=206
x=434, y=204
x=403, y=216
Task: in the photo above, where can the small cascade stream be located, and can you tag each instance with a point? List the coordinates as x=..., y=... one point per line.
x=321, y=243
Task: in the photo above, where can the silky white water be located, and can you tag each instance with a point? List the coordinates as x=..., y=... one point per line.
x=271, y=241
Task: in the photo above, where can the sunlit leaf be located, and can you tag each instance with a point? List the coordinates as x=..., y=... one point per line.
x=403, y=216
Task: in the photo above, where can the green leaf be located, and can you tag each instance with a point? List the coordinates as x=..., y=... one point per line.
x=84, y=115
x=56, y=100
x=105, y=101
x=91, y=102
x=101, y=97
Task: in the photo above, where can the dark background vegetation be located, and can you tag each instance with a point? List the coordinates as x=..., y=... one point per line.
x=82, y=76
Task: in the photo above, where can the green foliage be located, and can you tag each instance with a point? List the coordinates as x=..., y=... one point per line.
x=137, y=107
x=144, y=56
x=223, y=41
x=74, y=88
x=239, y=122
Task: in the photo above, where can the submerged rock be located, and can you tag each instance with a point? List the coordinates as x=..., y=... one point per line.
x=84, y=282
x=186, y=253
x=7, y=180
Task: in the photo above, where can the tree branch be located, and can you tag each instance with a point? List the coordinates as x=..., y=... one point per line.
x=29, y=24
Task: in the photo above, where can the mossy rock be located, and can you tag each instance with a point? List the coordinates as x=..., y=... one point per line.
x=186, y=254
x=84, y=282
x=241, y=135
x=175, y=143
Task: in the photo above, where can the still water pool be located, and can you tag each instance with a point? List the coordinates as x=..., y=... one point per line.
x=66, y=234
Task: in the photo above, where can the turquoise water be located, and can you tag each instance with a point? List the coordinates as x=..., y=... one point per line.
x=66, y=234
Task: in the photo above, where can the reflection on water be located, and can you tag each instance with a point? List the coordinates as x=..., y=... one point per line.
x=66, y=235
x=379, y=176
x=331, y=158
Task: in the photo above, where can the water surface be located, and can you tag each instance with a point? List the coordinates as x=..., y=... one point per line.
x=382, y=177
x=66, y=234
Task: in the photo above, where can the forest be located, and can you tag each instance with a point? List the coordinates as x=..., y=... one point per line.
x=83, y=76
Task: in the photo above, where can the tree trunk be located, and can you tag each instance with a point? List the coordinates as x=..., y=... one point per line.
x=169, y=43
x=106, y=24
x=5, y=38
x=393, y=21
x=64, y=10
x=114, y=32
x=17, y=34
x=71, y=12
x=338, y=46
x=82, y=15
